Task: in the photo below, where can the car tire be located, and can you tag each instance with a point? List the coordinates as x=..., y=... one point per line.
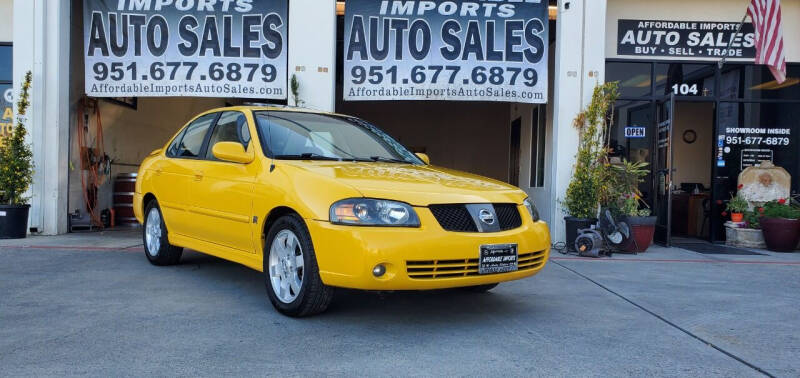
x=288, y=245
x=154, y=236
x=480, y=288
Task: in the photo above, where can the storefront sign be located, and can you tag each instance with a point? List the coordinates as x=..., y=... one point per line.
x=152, y=48
x=635, y=132
x=6, y=111
x=685, y=39
x=446, y=50
x=751, y=145
x=751, y=157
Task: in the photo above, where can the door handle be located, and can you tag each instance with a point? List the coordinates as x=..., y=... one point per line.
x=198, y=175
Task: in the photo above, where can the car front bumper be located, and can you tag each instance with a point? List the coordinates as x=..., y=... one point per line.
x=438, y=259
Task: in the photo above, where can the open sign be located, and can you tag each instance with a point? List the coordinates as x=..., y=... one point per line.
x=635, y=132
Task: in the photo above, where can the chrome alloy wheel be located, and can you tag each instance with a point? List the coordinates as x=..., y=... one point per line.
x=286, y=266
x=152, y=233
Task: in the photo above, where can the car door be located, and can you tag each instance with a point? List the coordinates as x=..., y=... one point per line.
x=175, y=173
x=221, y=195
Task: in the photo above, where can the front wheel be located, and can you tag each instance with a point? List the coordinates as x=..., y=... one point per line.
x=291, y=272
x=154, y=235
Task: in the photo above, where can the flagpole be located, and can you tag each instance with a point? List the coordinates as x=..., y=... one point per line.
x=727, y=45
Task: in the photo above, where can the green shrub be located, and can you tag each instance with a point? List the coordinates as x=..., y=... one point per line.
x=16, y=157
x=588, y=185
x=782, y=208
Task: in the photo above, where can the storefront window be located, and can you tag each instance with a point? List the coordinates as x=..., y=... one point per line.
x=684, y=79
x=750, y=132
x=756, y=82
x=634, y=78
x=6, y=64
x=632, y=134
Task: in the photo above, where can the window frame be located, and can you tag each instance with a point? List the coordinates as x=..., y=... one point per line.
x=213, y=128
x=201, y=154
x=11, y=80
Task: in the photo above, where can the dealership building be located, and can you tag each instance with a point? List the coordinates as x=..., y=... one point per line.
x=485, y=86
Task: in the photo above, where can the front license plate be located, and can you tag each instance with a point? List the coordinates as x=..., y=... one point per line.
x=497, y=258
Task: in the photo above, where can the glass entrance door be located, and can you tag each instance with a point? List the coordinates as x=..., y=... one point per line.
x=663, y=169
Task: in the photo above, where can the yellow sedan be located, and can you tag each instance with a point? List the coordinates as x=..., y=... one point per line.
x=318, y=201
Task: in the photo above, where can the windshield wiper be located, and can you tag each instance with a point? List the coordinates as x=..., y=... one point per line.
x=307, y=156
x=387, y=160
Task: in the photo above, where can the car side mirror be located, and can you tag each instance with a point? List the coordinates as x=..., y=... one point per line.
x=424, y=157
x=233, y=152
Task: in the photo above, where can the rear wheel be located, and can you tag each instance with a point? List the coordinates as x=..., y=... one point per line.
x=480, y=288
x=291, y=272
x=154, y=235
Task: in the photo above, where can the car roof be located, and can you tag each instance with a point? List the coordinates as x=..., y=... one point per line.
x=271, y=107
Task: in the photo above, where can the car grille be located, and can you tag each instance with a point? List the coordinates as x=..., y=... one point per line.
x=454, y=218
x=508, y=215
x=457, y=218
x=432, y=269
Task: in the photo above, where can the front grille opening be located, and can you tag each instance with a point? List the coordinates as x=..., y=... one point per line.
x=453, y=218
x=508, y=215
x=433, y=269
x=456, y=217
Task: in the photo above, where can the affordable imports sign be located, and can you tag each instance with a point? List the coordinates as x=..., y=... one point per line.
x=204, y=48
x=685, y=39
x=446, y=50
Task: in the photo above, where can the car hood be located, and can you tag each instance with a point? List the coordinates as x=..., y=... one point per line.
x=418, y=185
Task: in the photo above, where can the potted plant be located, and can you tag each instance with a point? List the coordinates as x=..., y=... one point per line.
x=780, y=223
x=582, y=200
x=746, y=234
x=626, y=200
x=16, y=173
x=736, y=206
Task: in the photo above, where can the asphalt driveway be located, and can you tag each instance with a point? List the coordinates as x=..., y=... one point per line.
x=93, y=305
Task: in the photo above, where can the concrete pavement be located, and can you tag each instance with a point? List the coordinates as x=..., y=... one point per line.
x=104, y=310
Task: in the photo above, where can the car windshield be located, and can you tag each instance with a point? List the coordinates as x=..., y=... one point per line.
x=297, y=135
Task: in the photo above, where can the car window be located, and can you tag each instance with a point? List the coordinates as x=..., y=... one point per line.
x=287, y=135
x=191, y=142
x=172, y=150
x=231, y=127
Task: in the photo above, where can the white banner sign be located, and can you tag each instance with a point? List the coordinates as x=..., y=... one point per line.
x=446, y=50
x=154, y=48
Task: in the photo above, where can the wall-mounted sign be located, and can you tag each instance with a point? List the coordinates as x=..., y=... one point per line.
x=635, y=132
x=446, y=50
x=234, y=48
x=751, y=157
x=685, y=39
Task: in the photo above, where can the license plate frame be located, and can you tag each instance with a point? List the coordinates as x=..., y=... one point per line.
x=496, y=258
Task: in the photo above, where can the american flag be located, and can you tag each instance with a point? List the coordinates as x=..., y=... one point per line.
x=766, y=16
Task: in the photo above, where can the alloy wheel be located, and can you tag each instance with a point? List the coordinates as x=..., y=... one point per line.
x=152, y=233
x=286, y=266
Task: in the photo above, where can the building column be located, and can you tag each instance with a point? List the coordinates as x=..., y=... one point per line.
x=41, y=45
x=312, y=52
x=580, y=66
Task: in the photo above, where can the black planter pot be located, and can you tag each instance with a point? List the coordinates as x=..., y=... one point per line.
x=574, y=224
x=14, y=221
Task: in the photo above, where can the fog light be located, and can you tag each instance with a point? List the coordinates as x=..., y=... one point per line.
x=378, y=270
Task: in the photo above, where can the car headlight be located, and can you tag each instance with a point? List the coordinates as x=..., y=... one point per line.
x=373, y=212
x=531, y=209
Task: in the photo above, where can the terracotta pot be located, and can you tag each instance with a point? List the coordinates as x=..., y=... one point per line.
x=574, y=224
x=642, y=231
x=14, y=221
x=780, y=234
x=737, y=217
